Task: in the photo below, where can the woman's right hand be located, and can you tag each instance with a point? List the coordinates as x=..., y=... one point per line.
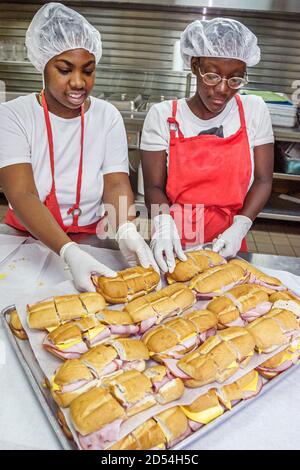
x=165, y=243
x=83, y=266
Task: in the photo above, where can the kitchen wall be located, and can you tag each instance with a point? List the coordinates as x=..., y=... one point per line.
x=138, y=46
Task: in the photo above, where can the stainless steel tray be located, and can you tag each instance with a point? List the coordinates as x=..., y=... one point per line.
x=36, y=377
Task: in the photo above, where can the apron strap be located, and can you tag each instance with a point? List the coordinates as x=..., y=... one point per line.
x=173, y=124
x=75, y=209
x=241, y=111
x=50, y=138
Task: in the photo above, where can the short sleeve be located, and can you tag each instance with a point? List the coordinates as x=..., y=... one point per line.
x=116, y=150
x=155, y=135
x=14, y=146
x=264, y=130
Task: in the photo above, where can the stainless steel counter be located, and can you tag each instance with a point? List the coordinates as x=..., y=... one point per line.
x=284, y=263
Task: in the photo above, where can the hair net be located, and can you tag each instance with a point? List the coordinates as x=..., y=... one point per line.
x=220, y=37
x=55, y=29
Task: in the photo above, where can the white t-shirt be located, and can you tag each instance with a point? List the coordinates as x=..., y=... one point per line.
x=156, y=131
x=23, y=139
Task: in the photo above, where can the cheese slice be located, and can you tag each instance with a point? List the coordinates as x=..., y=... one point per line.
x=67, y=345
x=205, y=416
x=192, y=335
x=233, y=365
x=93, y=332
x=54, y=386
x=252, y=386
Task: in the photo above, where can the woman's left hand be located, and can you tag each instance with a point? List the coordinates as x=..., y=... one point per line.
x=134, y=248
x=229, y=242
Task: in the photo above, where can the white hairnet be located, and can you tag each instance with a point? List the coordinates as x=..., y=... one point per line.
x=221, y=38
x=55, y=29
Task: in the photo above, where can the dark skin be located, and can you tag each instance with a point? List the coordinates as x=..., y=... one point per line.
x=207, y=103
x=70, y=72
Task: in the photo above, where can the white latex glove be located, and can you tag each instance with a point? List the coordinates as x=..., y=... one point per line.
x=134, y=248
x=229, y=242
x=165, y=243
x=82, y=266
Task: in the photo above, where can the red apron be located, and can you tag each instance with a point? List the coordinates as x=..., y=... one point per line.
x=208, y=179
x=51, y=201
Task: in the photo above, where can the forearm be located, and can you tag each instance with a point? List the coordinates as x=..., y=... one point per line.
x=38, y=220
x=156, y=198
x=256, y=198
x=119, y=204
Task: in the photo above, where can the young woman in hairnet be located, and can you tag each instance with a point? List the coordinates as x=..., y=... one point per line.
x=209, y=159
x=63, y=154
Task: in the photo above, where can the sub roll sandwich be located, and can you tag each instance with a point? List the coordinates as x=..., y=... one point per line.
x=72, y=339
x=76, y=376
x=16, y=326
x=218, y=280
x=170, y=427
x=246, y=387
x=163, y=431
x=258, y=277
x=203, y=410
x=273, y=330
x=127, y=285
x=281, y=361
x=217, y=359
x=197, y=262
x=151, y=309
x=286, y=300
x=176, y=337
x=98, y=413
x=240, y=305
x=61, y=309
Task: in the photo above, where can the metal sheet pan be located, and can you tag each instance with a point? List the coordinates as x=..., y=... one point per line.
x=36, y=378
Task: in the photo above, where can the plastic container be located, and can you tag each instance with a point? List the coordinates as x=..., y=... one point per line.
x=283, y=115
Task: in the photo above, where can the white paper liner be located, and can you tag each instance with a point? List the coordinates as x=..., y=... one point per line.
x=8, y=244
x=49, y=363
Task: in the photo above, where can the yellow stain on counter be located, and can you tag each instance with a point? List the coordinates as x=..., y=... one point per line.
x=3, y=276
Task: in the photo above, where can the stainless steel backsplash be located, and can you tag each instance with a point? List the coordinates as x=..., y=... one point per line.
x=138, y=44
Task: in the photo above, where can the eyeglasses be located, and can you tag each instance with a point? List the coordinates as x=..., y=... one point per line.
x=213, y=79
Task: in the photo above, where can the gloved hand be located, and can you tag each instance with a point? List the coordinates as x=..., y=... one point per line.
x=133, y=247
x=165, y=243
x=229, y=242
x=82, y=266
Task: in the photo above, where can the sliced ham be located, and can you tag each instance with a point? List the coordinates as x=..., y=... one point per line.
x=171, y=364
x=258, y=311
x=158, y=385
x=112, y=367
x=194, y=425
x=237, y=322
x=147, y=324
x=102, y=438
x=251, y=394
x=124, y=330
x=284, y=366
x=209, y=295
x=201, y=305
x=74, y=386
x=100, y=337
x=254, y=280
x=207, y=334
x=73, y=352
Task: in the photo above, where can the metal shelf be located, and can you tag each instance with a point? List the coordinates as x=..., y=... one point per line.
x=285, y=176
x=279, y=209
x=289, y=134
